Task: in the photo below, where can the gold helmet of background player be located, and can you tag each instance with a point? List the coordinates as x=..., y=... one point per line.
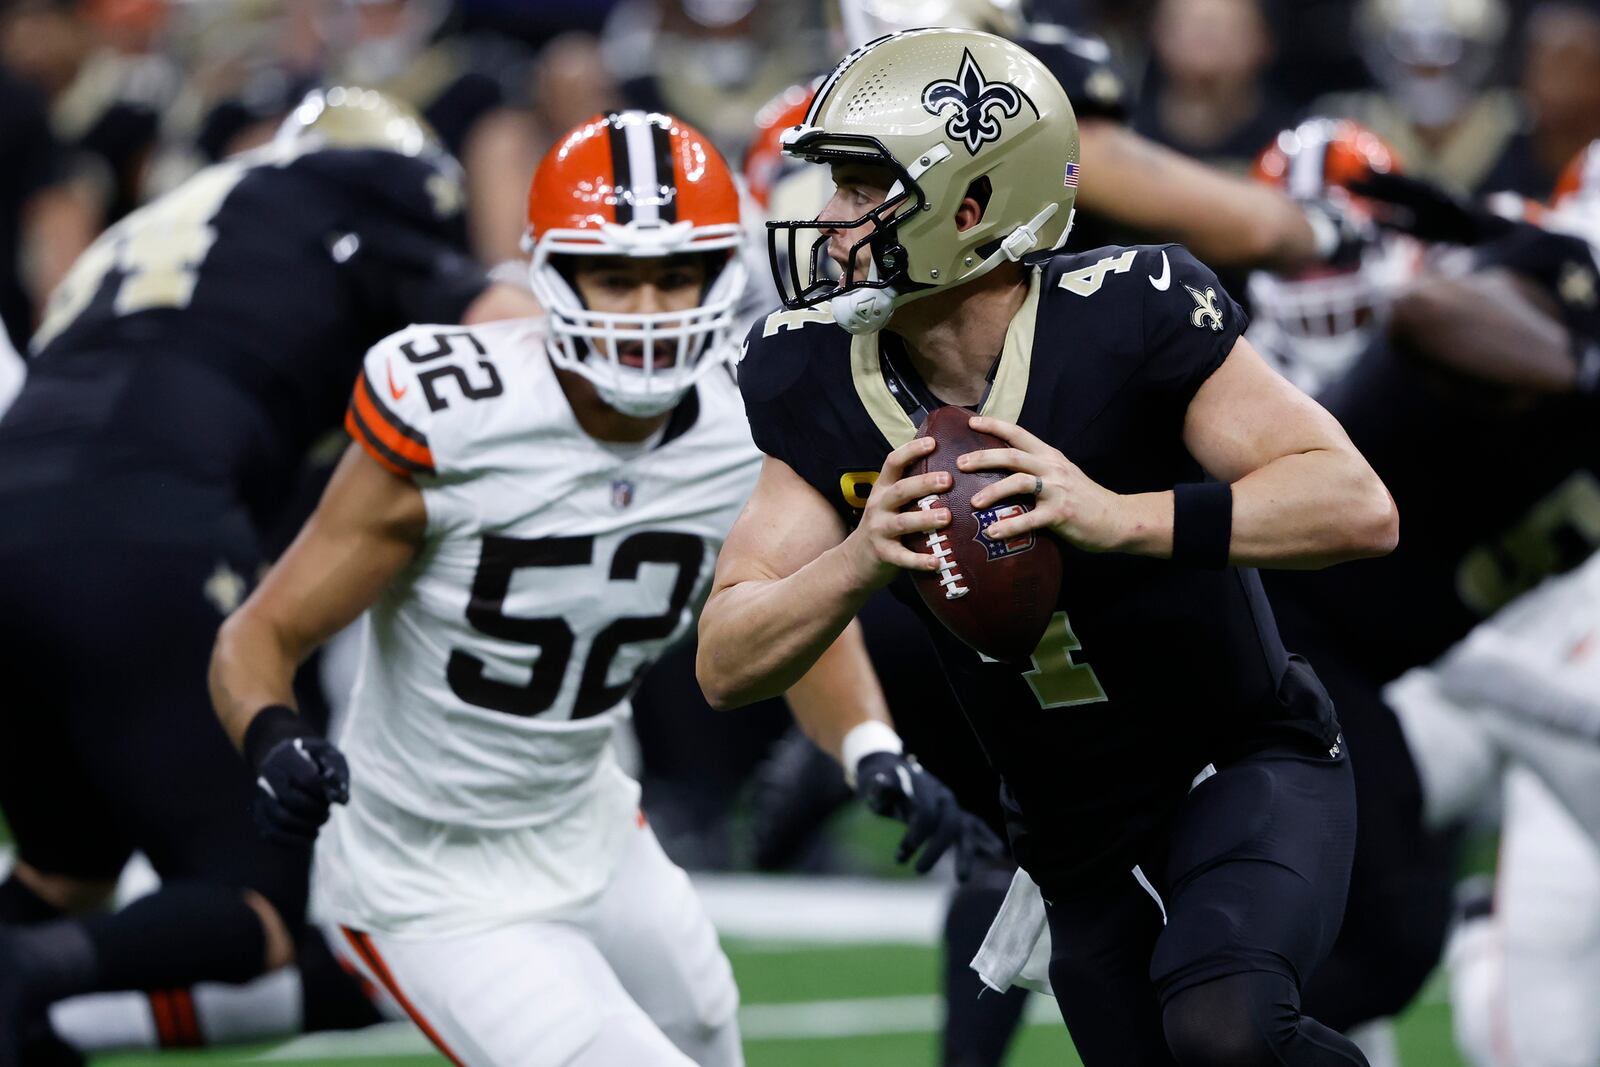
x=940, y=109
x=350, y=117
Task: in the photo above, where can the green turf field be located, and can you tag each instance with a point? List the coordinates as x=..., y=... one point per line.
x=850, y=1006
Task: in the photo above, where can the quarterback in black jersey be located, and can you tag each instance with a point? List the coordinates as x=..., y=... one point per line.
x=1164, y=758
x=184, y=368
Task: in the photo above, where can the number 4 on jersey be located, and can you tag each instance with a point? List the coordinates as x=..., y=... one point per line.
x=1088, y=280
x=1056, y=681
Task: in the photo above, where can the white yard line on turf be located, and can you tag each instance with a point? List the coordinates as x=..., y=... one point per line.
x=776, y=908
x=758, y=1022
x=824, y=911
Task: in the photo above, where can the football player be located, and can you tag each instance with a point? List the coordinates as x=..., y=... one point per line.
x=1522, y=695
x=1312, y=324
x=1500, y=357
x=1127, y=183
x=954, y=157
x=183, y=369
x=529, y=517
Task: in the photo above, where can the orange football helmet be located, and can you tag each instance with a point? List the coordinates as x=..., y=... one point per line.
x=1580, y=177
x=636, y=183
x=764, y=160
x=1575, y=204
x=1314, y=323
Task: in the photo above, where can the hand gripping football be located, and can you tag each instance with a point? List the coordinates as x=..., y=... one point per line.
x=996, y=596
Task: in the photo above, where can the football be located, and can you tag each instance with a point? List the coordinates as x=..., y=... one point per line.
x=997, y=596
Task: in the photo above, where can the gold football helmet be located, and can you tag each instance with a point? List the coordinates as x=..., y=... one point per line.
x=940, y=109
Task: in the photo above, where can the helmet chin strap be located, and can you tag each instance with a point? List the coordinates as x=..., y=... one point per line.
x=864, y=310
x=867, y=310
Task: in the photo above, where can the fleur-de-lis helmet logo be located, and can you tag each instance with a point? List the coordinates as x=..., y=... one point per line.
x=974, y=102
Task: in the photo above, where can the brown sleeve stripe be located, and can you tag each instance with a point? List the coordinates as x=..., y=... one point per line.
x=364, y=948
x=391, y=442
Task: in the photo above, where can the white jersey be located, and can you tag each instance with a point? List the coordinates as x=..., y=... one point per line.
x=498, y=665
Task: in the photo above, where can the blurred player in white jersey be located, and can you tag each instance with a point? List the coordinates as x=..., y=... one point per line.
x=530, y=517
x=1516, y=706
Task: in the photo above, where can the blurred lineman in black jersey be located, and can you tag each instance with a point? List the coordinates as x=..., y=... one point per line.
x=183, y=370
x=1495, y=351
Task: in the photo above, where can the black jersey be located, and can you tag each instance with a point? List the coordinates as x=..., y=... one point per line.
x=33, y=162
x=1495, y=492
x=1149, y=670
x=1083, y=64
x=213, y=335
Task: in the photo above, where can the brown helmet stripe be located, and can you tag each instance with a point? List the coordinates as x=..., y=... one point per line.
x=666, y=175
x=621, y=171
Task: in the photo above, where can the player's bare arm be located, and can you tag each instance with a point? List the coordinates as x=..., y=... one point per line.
x=367, y=527
x=1226, y=220
x=837, y=695
x=1303, y=497
x=836, y=699
x=1493, y=326
x=501, y=300
x=789, y=579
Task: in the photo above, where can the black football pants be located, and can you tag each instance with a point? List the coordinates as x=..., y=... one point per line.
x=1246, y=893
x=108, y=742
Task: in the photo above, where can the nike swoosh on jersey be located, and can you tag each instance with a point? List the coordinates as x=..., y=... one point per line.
x=1160, y=283
x=397, y=393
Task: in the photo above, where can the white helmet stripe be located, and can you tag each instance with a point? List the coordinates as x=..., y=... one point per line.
x=642, y=170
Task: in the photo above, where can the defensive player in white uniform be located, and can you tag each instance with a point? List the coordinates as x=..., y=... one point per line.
x=531, y=514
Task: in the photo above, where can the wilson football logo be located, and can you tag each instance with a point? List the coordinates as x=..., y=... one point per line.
x=1011, y=546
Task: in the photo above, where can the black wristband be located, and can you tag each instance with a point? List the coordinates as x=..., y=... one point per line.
x=1586, y=353
x=1202, y=523
x=273, y=723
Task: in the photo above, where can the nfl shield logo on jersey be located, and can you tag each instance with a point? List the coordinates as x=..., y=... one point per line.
x=1011, y=545
x=621, y=493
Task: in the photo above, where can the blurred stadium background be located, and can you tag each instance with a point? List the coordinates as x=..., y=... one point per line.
x=105, y=104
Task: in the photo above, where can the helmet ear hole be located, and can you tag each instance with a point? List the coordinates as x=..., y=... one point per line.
x=981, y=190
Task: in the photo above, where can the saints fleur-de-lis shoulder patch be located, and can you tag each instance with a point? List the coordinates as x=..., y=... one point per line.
x=974, y=103
x=1206, y=312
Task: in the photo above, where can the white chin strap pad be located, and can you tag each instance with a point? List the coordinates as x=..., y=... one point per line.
x=863, y=310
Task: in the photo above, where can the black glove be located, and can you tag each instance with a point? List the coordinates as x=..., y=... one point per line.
x=298, y=776
x=896, y=786
x=1341, y=233
x=1429, y=212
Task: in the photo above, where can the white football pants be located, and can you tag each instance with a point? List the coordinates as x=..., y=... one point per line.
x=1525, y=981
x=633, y=979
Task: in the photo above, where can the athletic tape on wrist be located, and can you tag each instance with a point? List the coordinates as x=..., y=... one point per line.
x=862, y=741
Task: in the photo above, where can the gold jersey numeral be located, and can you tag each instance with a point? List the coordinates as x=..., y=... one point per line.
x=158, y=249
x=1056, y=680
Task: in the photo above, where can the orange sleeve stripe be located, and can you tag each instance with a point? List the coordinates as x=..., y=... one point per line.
x=177, y=1023
x=383, y=425
x=359, y=432
x=369, y=954
x=188, y=1019
x=166, y=1026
